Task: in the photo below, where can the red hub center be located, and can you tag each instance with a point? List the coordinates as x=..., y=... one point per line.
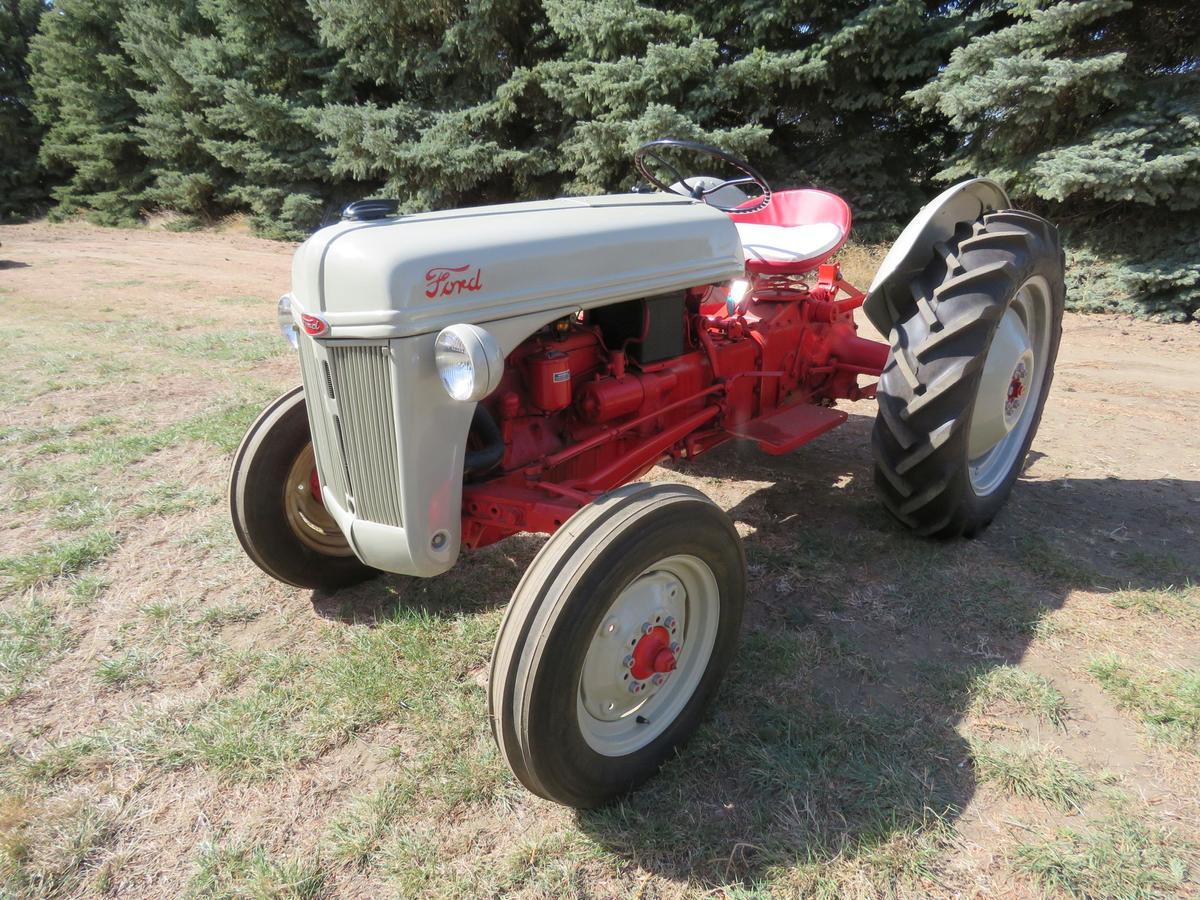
x=314, y=484
x=652, y=654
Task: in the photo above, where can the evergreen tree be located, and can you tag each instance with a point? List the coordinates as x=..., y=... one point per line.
x=532, y=99
x=21, y=178
x=1091, y=110
x=227, y=120
x=81, y=80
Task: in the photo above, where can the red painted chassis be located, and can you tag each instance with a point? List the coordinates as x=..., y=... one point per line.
x=766, y=366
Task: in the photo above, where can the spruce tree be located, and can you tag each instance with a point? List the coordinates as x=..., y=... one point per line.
x=227, y=117
x=1090, y=111
x=533, y=99
x=21, y=177
x=81, y=80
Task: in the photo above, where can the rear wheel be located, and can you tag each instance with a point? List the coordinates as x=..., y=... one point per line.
x=971, y=363
x=615, y=642
x=275, y=501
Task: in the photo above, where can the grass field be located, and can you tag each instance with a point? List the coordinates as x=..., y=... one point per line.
x=1016, y=715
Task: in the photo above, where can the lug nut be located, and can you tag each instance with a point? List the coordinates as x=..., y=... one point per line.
x=635, y=687
x=629, y=662
x=675, y=648
x=669, y=623
x=647, y=628
x=659, y=680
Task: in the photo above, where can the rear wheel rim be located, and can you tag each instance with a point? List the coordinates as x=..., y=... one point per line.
x=306, y=514
x=619, y=712
x=1006, y=402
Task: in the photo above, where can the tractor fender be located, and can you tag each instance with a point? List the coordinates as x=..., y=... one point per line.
x=965, y=202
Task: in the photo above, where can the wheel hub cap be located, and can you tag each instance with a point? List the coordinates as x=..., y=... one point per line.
x=1011, y=381
x=1003, y=388
x=648, y=655
x=653, y=654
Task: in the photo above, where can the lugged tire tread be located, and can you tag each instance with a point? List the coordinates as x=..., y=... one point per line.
x=927, y=389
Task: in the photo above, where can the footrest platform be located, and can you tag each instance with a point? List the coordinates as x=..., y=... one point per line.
x=785, y=430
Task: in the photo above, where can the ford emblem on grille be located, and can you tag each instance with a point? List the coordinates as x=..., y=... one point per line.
x=314, y=325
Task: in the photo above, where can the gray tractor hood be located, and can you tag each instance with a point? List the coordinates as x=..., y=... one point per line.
x=416, y=274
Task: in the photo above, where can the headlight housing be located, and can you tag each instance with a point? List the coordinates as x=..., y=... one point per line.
x=469, y=361
x=287, y=325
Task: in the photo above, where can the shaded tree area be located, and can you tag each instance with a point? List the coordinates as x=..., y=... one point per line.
x=1086, y=109
x=22, y=181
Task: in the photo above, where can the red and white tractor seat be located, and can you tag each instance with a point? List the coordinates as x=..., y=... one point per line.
x=797, y=231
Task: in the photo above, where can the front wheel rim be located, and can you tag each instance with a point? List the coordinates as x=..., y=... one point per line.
x=1010, y=387
x=305, y=511
x=648, y=655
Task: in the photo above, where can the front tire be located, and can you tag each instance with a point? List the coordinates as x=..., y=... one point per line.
x=962, y=394
x=615, y=642
x=276, y=508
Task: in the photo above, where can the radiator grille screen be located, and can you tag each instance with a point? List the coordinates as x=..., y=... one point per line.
x=354, y=430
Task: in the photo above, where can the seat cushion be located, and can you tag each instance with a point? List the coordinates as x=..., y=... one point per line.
x=787, y=243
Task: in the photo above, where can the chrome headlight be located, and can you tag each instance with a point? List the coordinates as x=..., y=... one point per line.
x=287, y=325
x=469, y=361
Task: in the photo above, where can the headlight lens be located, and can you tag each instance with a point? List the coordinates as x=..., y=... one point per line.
x=287, y=327
x=469, y=361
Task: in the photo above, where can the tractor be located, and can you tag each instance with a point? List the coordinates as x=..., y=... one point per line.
x=474, y=373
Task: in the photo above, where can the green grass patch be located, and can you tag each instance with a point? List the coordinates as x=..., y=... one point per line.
x=1029, y=692
x=237, y=871
x=1177, y=603
x=1117, y=857
x=56, y=560
x=171, y=498
x=1167, y=702
x=29, y=638
x=231, y=346
x=1034, y=772
x=124, y=670
x=46, y=844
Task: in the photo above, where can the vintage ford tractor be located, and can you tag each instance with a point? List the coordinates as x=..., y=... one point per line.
x=475, y=373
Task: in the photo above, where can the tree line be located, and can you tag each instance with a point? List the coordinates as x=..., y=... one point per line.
x=1087, y=110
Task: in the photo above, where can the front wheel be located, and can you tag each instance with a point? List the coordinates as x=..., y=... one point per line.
x=615, y=642
x=971, y=362
x=275, y=501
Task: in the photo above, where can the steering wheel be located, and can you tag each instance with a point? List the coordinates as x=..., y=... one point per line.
x=704, y=188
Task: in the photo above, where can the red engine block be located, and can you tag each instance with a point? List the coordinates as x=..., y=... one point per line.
x=578, y=418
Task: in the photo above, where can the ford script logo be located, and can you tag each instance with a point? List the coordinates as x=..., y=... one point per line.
x=447, y=281
x=313, y=325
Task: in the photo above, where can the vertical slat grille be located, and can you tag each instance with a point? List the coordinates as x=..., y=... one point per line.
x=353, y=420
x=330, y=462
x=362, y=383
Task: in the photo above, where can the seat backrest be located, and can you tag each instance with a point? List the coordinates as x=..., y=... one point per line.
x=801, y=206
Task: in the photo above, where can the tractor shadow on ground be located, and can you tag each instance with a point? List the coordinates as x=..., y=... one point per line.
x=13, y=264
x=835, y=734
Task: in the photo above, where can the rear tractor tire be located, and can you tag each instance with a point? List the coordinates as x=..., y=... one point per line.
x=616, y=641
x=971, y=362
x=276, y=505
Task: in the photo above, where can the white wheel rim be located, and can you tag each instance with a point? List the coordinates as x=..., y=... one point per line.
x=1013, y=374
x=619, y=712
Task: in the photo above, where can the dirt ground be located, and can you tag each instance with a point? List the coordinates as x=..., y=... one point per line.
x=1016, y=715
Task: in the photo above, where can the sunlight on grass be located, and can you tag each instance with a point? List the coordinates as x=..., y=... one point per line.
x=1117, y=857
x=1032, y=771
x=56, y=560
x=1030, y=693
x=46, y=843
x=29, y=638
x=238, y=871
x=1166, y=701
